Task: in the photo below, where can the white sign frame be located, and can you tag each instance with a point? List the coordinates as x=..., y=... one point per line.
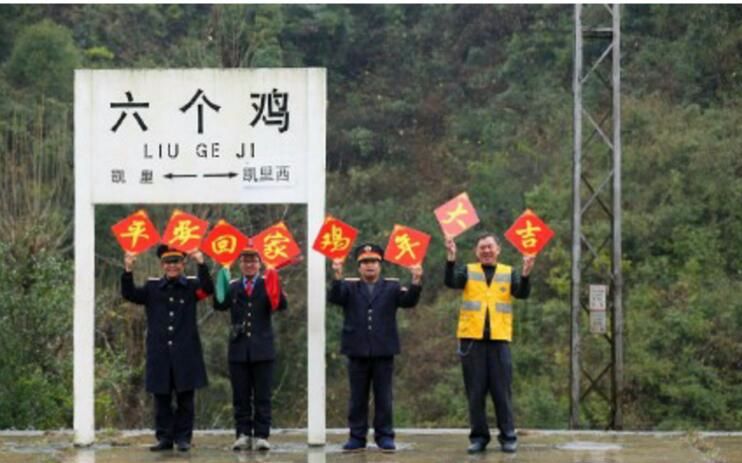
x=311, y=193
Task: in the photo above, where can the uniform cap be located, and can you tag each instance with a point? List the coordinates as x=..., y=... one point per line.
x=369, y=251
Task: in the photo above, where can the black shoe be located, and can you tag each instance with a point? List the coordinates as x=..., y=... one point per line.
x=161, y=446
x=386, y=445
x=184, y=446
x=509, y=446
x=354, y=445
x=476, y=447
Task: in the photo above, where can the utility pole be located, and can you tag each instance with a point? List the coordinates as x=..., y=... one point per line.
x=596, y=219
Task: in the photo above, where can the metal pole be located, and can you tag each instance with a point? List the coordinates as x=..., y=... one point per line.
x=574, y=365
x=617, y=254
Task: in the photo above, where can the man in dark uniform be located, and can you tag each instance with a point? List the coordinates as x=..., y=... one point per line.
x=370, y=341
x=175, y=363
x=251, y=351
x=484, y=332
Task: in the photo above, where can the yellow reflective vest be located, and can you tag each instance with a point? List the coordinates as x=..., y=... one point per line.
x=478, y=299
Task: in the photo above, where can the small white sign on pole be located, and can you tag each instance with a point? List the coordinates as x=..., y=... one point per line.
x=597, y=305
x=243, y=136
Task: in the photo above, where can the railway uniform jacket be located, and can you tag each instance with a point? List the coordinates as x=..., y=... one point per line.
x=173, y=342
x=370, y=320
x=252, y=338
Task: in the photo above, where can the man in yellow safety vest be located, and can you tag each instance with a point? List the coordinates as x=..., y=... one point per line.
x=485, y=330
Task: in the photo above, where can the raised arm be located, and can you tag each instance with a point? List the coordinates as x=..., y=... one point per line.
x=338, y=293
x=129, y=290
x=520, y=284
x=409, y=297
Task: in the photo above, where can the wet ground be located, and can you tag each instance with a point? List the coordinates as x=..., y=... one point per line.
x=413, y=446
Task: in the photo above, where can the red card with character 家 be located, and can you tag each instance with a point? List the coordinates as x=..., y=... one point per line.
x=224, y=243
x=276, y=246
x=136, y=233
x=335, y=238
x=529, y=234
x=184, y=232
x=406, y=246
x=456, y=216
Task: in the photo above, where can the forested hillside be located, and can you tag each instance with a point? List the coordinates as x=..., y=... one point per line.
x=424, y=102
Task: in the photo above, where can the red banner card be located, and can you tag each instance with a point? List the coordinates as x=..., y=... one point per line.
x=335, y=238
x=276, y=246
x=529, y=234
x=456, y=216
x=224, y=243
x=136, y=233
x=406, y=246
x=184, y=232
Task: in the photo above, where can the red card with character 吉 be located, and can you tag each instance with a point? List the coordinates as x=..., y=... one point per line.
x=184, y=232
x=529, y=234
x=276, y=246
x=224, y=243
x=406, y=246
x=335, y=238
x=136, y=233
x=456, y=216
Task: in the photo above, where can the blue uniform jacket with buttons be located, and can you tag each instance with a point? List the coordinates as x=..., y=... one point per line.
x=173, y=341
x=370, y=320
x=255, y=342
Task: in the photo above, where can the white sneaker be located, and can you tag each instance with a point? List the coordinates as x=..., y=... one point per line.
x=262, y=444
x=243, y=442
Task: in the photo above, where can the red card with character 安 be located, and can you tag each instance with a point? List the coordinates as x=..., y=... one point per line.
x=184, y=232
x=529, y=234
x=456, y=216
x=335, y=238
x=276, y=246
x=406, y=246
x=224, y=243
x=136, y=233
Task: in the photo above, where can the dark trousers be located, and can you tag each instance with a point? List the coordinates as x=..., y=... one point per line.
x=363, y=373
x=488, y=369
x=251, y=385
x=174, y=425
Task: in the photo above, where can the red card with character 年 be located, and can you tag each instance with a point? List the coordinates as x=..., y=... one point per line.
x=406, y=246
x=136, y=233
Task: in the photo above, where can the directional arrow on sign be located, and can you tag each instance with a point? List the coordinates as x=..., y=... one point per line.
x=172, y=176
x=226, y=174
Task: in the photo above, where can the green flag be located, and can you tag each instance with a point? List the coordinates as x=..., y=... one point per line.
x=222, y=284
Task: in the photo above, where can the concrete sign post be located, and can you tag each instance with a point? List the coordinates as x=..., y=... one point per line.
x=242, y=136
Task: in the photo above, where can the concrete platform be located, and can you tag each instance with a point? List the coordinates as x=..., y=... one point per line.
x=414, y=446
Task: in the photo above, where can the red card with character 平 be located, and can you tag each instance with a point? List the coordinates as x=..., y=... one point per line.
x=136, y=233
x=335, y=238
x=224, y=243
x=406, y=246
x=529, y=234
x=184, y=232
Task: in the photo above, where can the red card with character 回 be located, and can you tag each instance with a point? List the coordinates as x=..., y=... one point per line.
x=224, y=243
